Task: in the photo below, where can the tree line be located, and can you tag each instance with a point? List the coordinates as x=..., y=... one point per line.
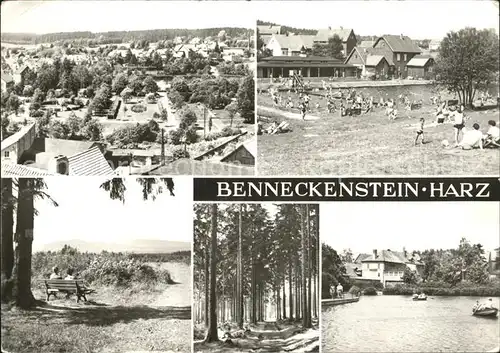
x=250, y=266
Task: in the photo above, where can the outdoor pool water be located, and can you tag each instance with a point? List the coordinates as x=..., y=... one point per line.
x=399, y=324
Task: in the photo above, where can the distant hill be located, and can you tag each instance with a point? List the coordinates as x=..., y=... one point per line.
x=152, y=35
x=135, y=246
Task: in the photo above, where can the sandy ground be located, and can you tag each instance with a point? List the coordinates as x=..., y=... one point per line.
x=113, y=320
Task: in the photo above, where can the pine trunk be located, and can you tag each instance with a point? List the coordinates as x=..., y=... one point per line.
x=308, y=254
x=290, y=289
x=284, y=295
x=24, y=239
x=304, y=269
x=7, y=241
x=239, y=301
x=212, y=335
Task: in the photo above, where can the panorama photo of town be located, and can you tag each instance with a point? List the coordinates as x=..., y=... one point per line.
x=401, y=283
x=175, y=100
x=386, y=88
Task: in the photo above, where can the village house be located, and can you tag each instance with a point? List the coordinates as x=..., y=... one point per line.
x=310, y=66
x=268, y=30
x=388, y=266
x=345, y=34
x=243, y=154
x=494, y=263
x=288, y=45
x=421, y=67
x=434, y=44
x=402, y=49
x=370, y=62
x=20, y=74
x=7, y=81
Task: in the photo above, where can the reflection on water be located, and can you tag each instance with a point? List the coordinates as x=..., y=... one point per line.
x=399, y=324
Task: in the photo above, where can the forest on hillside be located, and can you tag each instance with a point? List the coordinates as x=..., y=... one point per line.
x=256, y=278
x=152, y=35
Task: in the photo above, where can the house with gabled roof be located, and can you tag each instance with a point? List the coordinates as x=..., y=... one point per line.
x=421, y=67
x=288, y=45
x=388, y=266
x=346, y=35
x=370, y=62
x=20, y=73
x=7, y=81
x=244, y=154
x=401, y=48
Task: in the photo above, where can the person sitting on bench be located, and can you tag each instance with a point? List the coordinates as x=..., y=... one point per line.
x=55, y=273
x=70, y=275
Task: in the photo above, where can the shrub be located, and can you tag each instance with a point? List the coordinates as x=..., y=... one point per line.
x=179, y=153
x=138, y=108
x=36, y=113
x=191, y=135
x=370, y=291
x=175, y=136
x=354, y=290
x=156, y=115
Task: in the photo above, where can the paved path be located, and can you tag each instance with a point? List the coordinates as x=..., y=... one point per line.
x=289, y=115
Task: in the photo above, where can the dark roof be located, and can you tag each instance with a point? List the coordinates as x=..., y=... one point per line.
x=361, y=257
x=297, y=61
x=192, y=167
x=400, y=44
x=365, y=52
x=394, y=257
x=250, y=146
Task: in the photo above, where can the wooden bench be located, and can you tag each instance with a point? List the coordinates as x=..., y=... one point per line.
x=54, y=286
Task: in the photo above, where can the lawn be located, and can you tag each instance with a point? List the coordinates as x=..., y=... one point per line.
x=370, y=144
x=135, y=318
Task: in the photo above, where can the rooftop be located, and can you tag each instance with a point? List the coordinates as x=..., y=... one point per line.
x=89, y=163
x=16, y=170
x=324, y=34
x=400, y=44
x=393, y=257
x=419, y=61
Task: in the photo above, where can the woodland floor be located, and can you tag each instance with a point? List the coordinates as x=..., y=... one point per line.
x=368, y=144
x=113, y=320
x=268, y=337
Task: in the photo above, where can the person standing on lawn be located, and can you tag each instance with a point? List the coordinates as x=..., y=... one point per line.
x=420, y=131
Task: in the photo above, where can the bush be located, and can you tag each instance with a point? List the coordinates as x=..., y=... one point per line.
x=370, y=291
x=469, y=289
x=156, y=115
x=138, y=108
x=179, y=153
x=354, y=290
x=175, y=136
x=191, y=135
x=36, y=113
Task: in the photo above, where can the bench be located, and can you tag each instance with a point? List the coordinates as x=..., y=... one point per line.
x=53, y=286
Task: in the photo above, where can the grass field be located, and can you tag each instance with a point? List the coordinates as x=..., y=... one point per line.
x=371, y=144
x=132, y=318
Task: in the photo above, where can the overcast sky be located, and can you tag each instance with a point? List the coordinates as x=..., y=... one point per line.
x=87, y=213
x=364, y=226
x=417, y=19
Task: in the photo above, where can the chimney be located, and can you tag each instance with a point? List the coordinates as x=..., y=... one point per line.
x=329, y=28
x=404, y=252
x=401, y=36
x=341, y=27
x=59, y=165
x=374, y=253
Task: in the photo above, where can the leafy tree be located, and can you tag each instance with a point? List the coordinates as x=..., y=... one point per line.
x=150, y=85
x=92, y=130
x=14, y=103
x=409, y=276
x=188, y=119
x=333, y=48
x=119, y=83
x=333, y=270
x=246, y=100
x=468, y=61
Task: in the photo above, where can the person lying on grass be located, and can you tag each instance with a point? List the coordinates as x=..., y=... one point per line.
x=420, y=131
x=492, y=137
x=472, y=139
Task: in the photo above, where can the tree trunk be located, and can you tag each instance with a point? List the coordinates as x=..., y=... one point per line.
x=24, y=239
x=308, y=254
x=318, y=269
x=278, y=302
x=290, y=289
x=305, y=322
x=239, y=301
x=284, y=294
x=7, y=239
x=207, y=279
x=212, y=322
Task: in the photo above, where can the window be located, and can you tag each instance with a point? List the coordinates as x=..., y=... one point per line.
x=6, y=154
x=405, y=57
x=398, y=57
x=430, y=68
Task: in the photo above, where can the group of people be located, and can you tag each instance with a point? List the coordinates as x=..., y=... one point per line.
x=70, y=274
x=337, y=291
x=482, y=306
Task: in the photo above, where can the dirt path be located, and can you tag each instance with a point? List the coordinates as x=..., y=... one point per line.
x=178, y=294
x=289, y=115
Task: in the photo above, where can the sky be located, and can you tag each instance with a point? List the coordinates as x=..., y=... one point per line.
x=364, y=226
x=417, y=19
x=86, y=212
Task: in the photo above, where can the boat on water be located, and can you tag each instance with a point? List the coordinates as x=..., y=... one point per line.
x=419, y=296
x=489, y=312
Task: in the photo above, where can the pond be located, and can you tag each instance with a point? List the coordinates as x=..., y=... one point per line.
x=398, y=324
